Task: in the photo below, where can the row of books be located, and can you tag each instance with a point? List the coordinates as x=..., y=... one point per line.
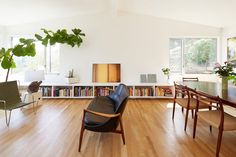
x=163, y=91
x=144, y=91
x=88, y=91
x=131, y=91
x=102, y=91
x=83, y=91
x=62, y=92
x=47, y=91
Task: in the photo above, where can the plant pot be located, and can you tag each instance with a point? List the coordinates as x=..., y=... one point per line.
x=224, y=82
x=71, y=80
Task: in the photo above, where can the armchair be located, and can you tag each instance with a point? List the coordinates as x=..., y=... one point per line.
x=104, y=113
x=10, y=98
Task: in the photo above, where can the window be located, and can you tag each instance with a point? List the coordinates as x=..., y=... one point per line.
x=193, y=55
x=46, y=58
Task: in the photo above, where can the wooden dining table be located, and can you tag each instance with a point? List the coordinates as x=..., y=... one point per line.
x=228, y=96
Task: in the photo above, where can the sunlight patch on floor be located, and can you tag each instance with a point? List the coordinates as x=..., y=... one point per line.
x=170, y=105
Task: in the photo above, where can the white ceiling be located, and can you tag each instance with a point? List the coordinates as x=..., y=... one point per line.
x=219, y=13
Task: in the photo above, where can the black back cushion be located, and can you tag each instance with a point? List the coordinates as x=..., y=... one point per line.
x=120, y=94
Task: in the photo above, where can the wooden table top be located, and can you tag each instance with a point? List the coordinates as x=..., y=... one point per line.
x=227, y=96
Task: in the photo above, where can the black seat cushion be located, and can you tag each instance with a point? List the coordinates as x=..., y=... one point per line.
x=100, y=104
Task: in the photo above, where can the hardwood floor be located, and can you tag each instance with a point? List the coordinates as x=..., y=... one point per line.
x=54, y=132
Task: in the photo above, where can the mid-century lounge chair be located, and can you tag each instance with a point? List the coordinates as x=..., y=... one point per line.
x=10, y=98
x=104, y=113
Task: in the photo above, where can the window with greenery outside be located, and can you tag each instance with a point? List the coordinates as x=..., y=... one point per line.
x=26, y=47
x=193, y=55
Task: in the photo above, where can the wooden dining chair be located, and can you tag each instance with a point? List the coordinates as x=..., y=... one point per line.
x=189, y=79
x=186, y=98
x=215, y=118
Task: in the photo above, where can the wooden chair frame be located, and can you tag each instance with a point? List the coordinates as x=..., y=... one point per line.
x=203, y=97
x=184, y=91
x=195, y=79
x=119, y=116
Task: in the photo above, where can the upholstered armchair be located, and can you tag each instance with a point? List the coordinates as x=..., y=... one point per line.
x=104, y=113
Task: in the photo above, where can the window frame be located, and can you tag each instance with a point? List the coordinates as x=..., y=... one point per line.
x=218, y=47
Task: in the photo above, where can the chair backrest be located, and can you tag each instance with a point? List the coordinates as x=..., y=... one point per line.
x=9, y=92
x=212, y=102
x=120, y=97
x=192, y=92
x=195, y=79
x=181, y=89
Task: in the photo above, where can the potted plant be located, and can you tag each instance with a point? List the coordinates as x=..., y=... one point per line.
x=224, y=71
x=70, y=78
x=166, y=72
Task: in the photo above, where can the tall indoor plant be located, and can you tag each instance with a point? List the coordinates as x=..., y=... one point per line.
x=26, y=47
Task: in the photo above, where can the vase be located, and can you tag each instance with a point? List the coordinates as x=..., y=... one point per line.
x=224, y=82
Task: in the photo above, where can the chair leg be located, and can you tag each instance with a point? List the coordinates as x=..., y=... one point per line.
x=33, y=104
x=186, y=120
x=173, y=113
x=195, y=125
x=8, y=119
x=182, y=109
x=122, y=130
x=81, y=136
x=210, y=128
x=219, y=142
x=192, y=113
x=81, y=132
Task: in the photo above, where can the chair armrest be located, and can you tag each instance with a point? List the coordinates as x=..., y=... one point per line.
x=2, y=101
x=102, y=114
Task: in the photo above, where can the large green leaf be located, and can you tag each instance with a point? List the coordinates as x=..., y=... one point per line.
x=45, y=41
x=38, y=37
x=53, y=41
x=6, y=63
x=27, y=41
x=30, y=50
x=76, y=31
x=18, y=50
x=2, y=53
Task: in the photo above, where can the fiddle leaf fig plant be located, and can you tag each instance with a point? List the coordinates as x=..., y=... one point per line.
x=61, y=36
x=26, y=47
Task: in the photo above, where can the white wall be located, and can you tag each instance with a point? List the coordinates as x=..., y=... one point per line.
x=140, y=43
x=3, y=34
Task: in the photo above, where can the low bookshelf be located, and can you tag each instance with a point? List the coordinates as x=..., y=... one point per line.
x=93, y=90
